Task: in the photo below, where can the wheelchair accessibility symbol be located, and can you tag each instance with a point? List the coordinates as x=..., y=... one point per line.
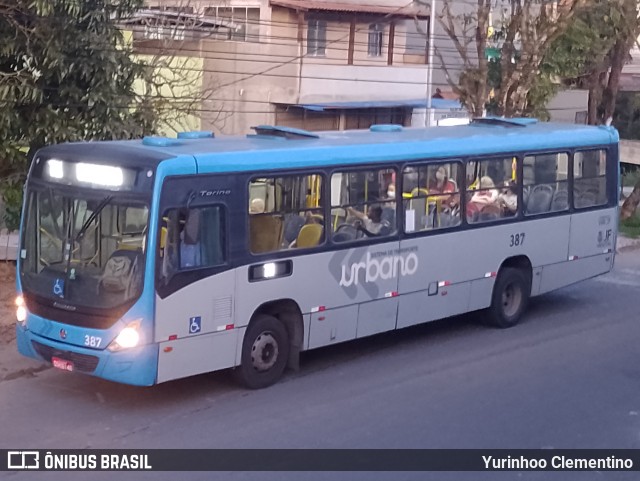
x=195, y=325
x=58, y=288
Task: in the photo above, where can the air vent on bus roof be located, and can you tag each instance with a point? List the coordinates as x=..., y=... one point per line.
x=202, y=134
x=160, y=142
x=386, y=128
x=514, y=122
x=284, y=132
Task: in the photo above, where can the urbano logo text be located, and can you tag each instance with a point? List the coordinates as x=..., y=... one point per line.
x=385, y=265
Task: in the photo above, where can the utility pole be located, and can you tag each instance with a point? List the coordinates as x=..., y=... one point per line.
x=429, y=114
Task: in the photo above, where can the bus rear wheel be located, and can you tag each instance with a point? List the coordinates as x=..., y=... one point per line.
x=510, y=297
x=265, y=351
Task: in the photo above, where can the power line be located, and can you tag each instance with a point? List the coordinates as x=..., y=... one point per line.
x=170, y=106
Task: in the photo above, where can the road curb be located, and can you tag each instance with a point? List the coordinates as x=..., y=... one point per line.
x=624, y=243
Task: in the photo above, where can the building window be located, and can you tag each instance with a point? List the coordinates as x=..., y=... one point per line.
x=589, y=178
x=170, y=23
x=431, y=196
x=376, y=32
x=316, y=37
x=492, y=191
x=244, y=22
x=417, y=39
x=545, y=183
x=365, y=118
x=363, y=204
x=285, y=213
x=160, y=31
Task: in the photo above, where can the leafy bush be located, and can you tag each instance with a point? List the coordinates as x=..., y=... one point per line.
x=631, y=226
x=11, y=193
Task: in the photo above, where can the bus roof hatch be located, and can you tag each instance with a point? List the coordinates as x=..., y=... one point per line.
x=514, y=122
x=284, y=132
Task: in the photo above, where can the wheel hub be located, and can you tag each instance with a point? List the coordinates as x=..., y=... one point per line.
x=511, y=299
x=264, y=352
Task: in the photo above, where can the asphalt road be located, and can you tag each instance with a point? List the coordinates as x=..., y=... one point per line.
x=567, y=377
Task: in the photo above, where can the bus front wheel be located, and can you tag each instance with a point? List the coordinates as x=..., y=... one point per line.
x=265, y=351
x=510, y=297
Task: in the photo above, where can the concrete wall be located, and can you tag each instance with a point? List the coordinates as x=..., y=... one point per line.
x=360, y=83
x=564, y=106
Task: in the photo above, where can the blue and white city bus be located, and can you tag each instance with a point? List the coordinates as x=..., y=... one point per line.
x=150, y=260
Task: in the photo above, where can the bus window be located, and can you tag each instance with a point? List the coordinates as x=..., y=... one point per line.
x=132, y=220
x=285, y=212
x=195, y=238
x=363, y=204
x=589, y=178
x=545, y=183
x=493, y=193
x=431, y=196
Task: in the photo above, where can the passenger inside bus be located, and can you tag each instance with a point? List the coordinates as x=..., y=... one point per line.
x=483, y=204
x=190, y=252
x=441, y=184
x=486, y=193
x=508, y=199
x=372, y=220
x=391, y=191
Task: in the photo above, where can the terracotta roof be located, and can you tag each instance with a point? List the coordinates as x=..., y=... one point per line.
x=315, y=5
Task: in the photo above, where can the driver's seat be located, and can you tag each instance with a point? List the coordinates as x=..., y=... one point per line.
x=388, y=218
x=386, y=229
x=344, y=233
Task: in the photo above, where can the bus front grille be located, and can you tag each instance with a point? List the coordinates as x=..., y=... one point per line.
x=81, y=362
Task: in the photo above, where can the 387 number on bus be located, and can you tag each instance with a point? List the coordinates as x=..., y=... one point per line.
x=517, y=239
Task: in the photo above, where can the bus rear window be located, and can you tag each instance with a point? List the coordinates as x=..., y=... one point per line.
x=589, y=178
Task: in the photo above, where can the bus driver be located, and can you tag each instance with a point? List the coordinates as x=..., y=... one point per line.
x=372, y=220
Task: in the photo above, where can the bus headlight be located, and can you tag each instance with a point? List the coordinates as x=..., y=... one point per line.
x=21, y=310
x=129, y=337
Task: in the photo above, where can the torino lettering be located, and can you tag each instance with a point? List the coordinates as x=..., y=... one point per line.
x=386, y=267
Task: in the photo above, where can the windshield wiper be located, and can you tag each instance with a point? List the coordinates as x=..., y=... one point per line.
x=103, y=203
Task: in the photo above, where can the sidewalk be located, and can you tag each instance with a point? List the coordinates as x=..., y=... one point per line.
x=626, y=243
x=13, y=365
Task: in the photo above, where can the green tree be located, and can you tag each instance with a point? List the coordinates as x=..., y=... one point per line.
x=66, y=74
x=518, y=32
x=583, y=45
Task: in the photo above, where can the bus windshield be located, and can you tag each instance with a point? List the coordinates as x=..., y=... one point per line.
x=83, y=249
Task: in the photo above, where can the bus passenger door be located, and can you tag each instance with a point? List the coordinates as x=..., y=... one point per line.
x=195, y=282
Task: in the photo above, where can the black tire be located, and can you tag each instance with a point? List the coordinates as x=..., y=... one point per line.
x=265, y=351
x=510, y=297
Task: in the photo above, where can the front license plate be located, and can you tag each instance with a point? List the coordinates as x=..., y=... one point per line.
x=62, y=364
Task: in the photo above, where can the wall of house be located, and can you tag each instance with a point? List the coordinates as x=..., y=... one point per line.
x=245, y=79
x=242, y=82
x=179, y=71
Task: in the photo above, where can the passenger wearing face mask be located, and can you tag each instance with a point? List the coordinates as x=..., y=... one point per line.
x=441, y=184
x=391, y=192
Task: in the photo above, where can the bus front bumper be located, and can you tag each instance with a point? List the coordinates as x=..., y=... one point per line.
x=137, y=366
